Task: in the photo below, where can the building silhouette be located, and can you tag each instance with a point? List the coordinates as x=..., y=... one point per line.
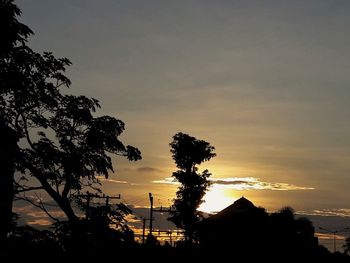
x=251, y=232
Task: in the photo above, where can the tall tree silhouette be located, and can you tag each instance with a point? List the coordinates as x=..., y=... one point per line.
x=189, y=152
x=63, y=145
x=13, y=38
x=80, y=150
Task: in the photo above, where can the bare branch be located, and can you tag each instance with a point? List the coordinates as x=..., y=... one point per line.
x=39, y=205
x=24, y=189
x=66, y=189
x=57, y=186
x=27, y=133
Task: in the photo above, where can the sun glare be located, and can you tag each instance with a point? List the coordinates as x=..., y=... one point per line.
x=216, y=199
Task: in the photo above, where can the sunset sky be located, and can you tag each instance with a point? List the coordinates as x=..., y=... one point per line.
x=267, y=83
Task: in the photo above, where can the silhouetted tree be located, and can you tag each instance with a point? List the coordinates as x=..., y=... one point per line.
x=13, y=37
x=63, y=145
x=238, y=229
x=30, y=242
x=347, y=245
x=80, y=151
x=151, y=241
x=189, y=152
x=247, y=231
x=104, y=230
x=8, y=153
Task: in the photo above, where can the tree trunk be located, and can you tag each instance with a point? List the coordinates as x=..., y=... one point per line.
x=68, y=210
x=8, y=153
x=63, y=202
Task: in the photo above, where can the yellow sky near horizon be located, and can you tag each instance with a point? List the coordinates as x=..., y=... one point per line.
x=265, y=82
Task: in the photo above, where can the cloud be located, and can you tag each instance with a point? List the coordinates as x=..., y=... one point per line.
x=167, y=180
x=341, y=212
x=326, y=236
x=39, y=222
x=28, y=214
x=245, y=183
x=103, y=179
x=115, y=181
x=252, y=183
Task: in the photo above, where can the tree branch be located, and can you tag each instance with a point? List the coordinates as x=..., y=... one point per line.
x=27, y=133
x=29, y=189
x=40, y=206
x=66, y=188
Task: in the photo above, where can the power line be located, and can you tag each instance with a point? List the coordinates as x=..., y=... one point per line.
x=335, y=232
x=89, y=197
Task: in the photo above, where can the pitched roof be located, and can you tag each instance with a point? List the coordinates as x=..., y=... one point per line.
x=242, y=205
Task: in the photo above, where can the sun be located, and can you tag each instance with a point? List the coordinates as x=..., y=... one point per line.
x=216, y=199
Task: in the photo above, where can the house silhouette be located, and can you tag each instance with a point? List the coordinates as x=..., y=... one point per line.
x=249, y=231
x=241, y=219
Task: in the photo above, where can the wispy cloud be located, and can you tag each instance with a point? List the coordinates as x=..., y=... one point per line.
x=103, y=179
x=327, y=236
x=167, y=180
x=252, y=183
x=35, y=217
x=39, y=222
x=342, y=212
x=245, y=183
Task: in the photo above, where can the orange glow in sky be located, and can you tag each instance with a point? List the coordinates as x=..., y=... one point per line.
x=272, y=100
x=216, y=199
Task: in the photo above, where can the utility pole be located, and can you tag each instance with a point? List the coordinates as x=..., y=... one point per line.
x=89, y=196
x=334, y=232
x=170, y=237
x=107, y=200
x=143, y=230
x=150, y=213
x=160, y=210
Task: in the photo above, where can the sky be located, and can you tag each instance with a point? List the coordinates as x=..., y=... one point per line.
x=267, y=83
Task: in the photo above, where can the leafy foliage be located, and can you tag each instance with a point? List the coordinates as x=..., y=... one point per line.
x=63, y=145
x=103, y=230
x=188, y=152
x=13, y=32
